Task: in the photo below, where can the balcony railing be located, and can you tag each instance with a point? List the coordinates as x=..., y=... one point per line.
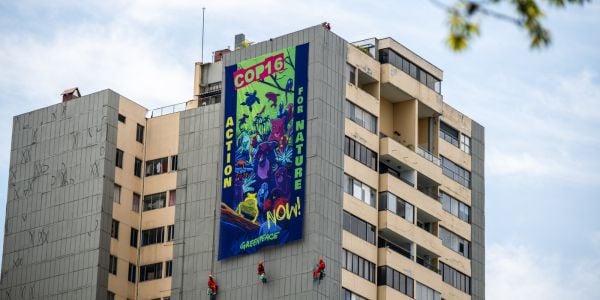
x=428, y=156
x=427, y=264
x=449, y=138
x=397, y=249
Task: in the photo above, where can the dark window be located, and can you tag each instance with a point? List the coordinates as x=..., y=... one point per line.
x=169, y=268
x=110, y=295
x=358, y=227
x=139, y=133
x=157, y=166
x=153, y=236
x=114, y=229
x=133, y=238
x=396, y=280
x=174, y=160
x=455, y=242
x=455, y=207
x=121, y=118
x=361, y=117
x=350, y=73
x=455, y=278
x=456, y=172
x=391, y=57
x=359, y=190
x=397, y=205
x=112, y=265
x=135, y=202
x=132, y=272
x=361, y=153
x=449, y=134
x=119, y=158
x=348, y=295
x=170, y=232
x=155, y=201
x=358, y=265
x=150, y=272
x=137, y=169
x=172, y=197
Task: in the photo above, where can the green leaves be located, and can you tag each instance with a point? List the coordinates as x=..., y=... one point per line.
x=527, y=16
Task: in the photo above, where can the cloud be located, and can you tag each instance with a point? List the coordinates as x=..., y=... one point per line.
x=544, y=128
x=518, y=272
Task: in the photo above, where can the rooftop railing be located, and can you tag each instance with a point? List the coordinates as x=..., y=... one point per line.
x=165, y=110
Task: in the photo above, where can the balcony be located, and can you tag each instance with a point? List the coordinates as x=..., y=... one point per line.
x=397, y=86
x=395, y=154
x=395, y=228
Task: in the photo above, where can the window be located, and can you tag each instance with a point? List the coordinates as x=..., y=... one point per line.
x=172, y=197
x=456, y=172
x=455, y=242
x=131, y=273
x=169, y=268
x=137, y=168
x=395, y=204
x=119, y=158
x=135, y=202
x=391, y=57
x=155, y=201
x=153, y=236
x=359, y=190
x=174, y=160
x=117, y=194
x=465, y=143
x=133, y=238
x=110, y=295
x=114, y=229
x=455, y=278
x=426, y=293
x=449, y=134
x=121, y=118
x=403, y=250
x=455, y=207
x=156, y=166
x=358, y=265
x=139, y=133
x=350, y=73
x=112, y=265
x=360, y=153
x=360, y=116
x=170, y=232
x=150, y=272
x=396, y=280
x=358, y=227
x=348, y=295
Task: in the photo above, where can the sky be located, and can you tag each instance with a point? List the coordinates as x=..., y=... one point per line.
x=540, y=108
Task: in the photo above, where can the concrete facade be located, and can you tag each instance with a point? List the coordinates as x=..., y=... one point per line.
x=289, y=266
x=59, y=206
x=378, y=129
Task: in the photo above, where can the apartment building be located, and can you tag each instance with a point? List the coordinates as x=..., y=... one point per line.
x=110, y=200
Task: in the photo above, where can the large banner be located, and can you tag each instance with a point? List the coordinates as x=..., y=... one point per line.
x=264, y=151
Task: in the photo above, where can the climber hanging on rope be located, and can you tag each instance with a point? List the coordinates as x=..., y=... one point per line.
x=319, y=271
x=260, y=270
x=212, y=287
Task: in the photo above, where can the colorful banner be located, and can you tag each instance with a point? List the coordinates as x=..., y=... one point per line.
x=264, y=151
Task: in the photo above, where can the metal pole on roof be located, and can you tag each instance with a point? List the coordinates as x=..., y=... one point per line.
x=202, y=55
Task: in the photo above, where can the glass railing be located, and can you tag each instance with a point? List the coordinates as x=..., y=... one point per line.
x=449, y=138
x=427, y=264
x=385, y=244
x=428, y=156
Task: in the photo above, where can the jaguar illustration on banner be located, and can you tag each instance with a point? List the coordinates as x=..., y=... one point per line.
x=264, y=151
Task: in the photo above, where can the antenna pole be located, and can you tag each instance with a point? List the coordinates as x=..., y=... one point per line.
x=202, y=55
